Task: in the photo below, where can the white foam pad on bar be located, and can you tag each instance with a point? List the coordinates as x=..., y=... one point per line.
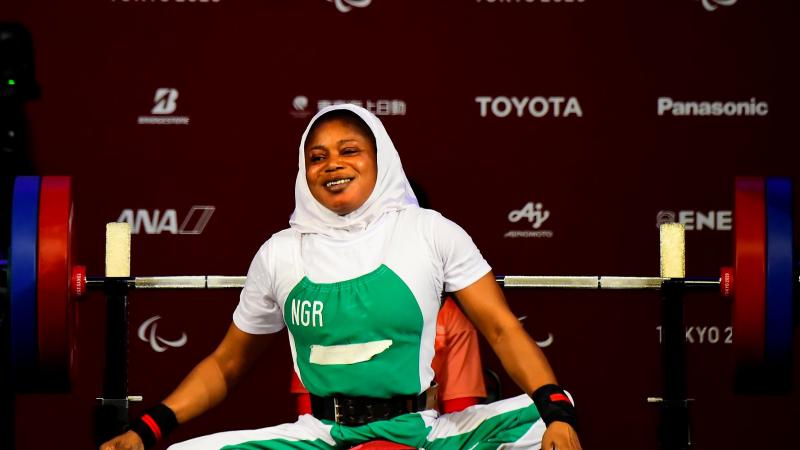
x=673, y=250
x=118, y=249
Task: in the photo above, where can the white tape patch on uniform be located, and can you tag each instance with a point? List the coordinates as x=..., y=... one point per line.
x=347, y=353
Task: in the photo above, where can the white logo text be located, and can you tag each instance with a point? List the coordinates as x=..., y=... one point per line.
x=536, y=215
x=704, y=334
x=157, y=222
x=306, y=312
x=534, y=106
x=697, y=220
x=753, y=107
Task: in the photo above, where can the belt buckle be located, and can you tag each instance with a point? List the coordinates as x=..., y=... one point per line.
x=337, y=416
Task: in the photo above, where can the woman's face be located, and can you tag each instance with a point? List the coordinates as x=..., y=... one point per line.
x=341, y=166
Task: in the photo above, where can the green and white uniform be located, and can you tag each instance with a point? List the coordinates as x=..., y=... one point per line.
x=360, y=296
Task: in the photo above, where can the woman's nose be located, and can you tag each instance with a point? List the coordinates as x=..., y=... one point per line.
x=333, y=164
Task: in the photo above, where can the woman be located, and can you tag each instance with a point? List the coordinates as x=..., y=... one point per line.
x=357, y=279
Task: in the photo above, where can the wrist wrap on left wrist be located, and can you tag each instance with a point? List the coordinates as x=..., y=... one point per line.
x=155, y=424
x=554, y=405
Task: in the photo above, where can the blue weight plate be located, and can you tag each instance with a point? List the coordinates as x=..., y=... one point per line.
x=780, y=272
x=22, y=278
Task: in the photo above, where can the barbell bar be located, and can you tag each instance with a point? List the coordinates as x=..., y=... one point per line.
x=597, y=282
x=43, y=278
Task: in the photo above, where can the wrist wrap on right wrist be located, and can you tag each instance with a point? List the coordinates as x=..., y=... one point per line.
x=554, y=405
x=155, y=424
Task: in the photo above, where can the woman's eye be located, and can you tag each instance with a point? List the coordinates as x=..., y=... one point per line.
x=315, y=158
x=349, y=150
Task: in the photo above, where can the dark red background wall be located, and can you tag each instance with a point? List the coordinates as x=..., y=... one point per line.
x=241, y=70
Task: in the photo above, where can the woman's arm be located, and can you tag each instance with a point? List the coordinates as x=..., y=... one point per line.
x=208, y=383
x=485, y=305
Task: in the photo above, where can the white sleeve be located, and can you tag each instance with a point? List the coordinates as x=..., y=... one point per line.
x=258, y=311
x=462, y=262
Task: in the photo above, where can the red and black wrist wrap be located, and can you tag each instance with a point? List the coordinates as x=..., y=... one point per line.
x=554, y=405
x=155, y=424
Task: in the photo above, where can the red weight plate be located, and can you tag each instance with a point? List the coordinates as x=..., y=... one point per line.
x=749, y=310
x=56, y=309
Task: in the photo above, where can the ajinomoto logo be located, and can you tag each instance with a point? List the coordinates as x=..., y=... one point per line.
x=713, y=5
x=345, y=6
x=165, y=103
x=536, y=216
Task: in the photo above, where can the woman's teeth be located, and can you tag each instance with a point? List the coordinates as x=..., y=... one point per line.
x=337, y=182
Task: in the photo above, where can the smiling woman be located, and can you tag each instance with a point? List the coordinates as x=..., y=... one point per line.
x=357, y=279
x=341, y=161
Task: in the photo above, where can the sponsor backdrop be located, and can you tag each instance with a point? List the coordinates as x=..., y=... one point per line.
x=557, y=133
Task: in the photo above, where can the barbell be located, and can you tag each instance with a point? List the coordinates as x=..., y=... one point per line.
x=44, y=281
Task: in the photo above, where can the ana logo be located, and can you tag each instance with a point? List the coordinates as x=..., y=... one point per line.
x=536, y=215
x=165, y=103
x=156, y=222
x=712, y=5
x=148, y=332
x=537, y=107
x=698, y=220
x=346, y=5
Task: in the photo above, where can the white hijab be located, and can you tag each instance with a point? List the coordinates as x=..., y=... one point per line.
x=392, y=191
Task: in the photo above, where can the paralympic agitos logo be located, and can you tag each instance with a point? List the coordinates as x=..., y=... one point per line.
x=148, y=332
x=712, y=5
x=347, y=5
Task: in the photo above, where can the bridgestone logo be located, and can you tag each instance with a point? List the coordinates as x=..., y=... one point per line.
x=167, y=120
x=752, y=108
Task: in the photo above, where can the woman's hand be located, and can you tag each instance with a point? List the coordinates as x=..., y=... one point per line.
x=560, y=436
x=125, y=441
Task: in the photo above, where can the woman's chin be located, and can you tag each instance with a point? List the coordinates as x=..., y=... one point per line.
x=341, y=210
